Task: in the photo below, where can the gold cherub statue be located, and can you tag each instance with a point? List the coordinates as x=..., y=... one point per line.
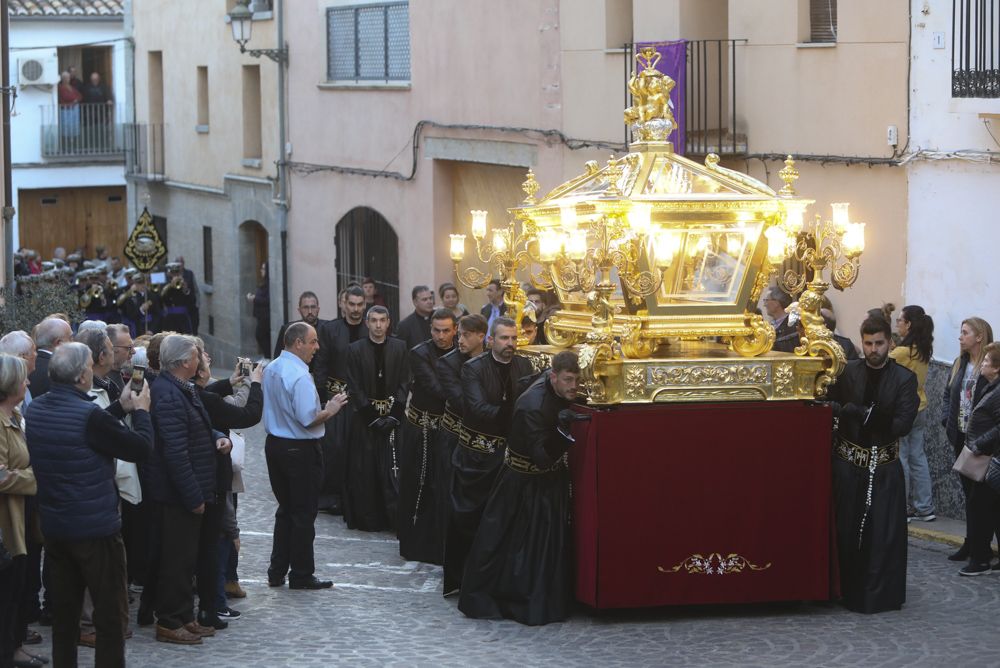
x=650, y=114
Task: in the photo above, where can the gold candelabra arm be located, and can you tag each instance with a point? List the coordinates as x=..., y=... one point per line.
x=792, y=282
x=472, y=277
x=816, y=339
x=846, y=273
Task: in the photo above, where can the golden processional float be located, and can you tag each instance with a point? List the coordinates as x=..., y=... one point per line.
x=659, y=263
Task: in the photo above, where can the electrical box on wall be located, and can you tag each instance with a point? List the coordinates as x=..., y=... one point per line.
x=937, y=39
x=891, y=135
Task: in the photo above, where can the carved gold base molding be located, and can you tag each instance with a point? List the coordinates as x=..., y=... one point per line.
x=696, y=372
x=714, y=564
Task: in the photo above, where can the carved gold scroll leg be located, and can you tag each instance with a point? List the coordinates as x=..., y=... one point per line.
x=592, y=359
x=758, y=341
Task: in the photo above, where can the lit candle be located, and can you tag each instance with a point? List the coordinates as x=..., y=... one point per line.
x=499, y=240
x=478, y=223
x=777, y=242
x=841, y=219
x=794, y=216
x=457, y=247
x=549, y=245
x=639, y=218
x=734, y=244
x=854, y=239
x=576, y=245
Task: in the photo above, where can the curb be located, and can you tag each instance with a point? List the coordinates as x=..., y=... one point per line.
x=935, y=535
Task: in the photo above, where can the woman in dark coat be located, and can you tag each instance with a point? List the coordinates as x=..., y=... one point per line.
x=520, y=565
x=983, y=437
x=261, y=300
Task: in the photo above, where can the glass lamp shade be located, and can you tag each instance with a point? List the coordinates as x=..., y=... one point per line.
x=457, y=247
x=499, y=240
x=854, y=239
x=639, y=218
x=665, y=247
x=777, y=244
x=567, y=214
x=794, y=216
x=841, y=219
x=576, y=245
x=241, y=22
x=549, y=245
x=478, y=223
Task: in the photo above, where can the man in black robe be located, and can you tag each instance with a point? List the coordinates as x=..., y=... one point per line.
x=786, y=334
x=520, y=565
x=421, y=534
x=416, y=327
x=876, y=402
x=490, y=385
x=329, y=370
x=377, y=382
x=178, y=302
x=139, y=307
x=309, y=314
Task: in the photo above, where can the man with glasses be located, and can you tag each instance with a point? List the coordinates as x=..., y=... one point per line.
x=121, y=343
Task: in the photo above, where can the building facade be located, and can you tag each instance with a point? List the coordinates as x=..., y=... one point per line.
x=204, y=160
x=68, y=180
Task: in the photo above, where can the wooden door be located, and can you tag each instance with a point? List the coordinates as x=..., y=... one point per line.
x=72, y=218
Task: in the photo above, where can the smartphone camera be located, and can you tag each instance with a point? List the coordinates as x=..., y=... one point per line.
x=138, y=374
x=245, y=366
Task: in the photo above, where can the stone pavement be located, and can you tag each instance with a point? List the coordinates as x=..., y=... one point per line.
x=384, y=611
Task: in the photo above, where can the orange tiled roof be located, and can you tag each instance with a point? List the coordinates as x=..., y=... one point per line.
x=56, y=8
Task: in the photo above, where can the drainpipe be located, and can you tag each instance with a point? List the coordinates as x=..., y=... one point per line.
x=8, y=186
x=282, y=202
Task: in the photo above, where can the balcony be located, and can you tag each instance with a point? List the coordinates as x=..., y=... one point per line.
x=709, y=98
x=82, y=133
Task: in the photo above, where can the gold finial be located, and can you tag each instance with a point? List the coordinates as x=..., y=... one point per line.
x=530, y=187
x=650, y=115
x=648, y=57
x=615, y=170
x=788, y=174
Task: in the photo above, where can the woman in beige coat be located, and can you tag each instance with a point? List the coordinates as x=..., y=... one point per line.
x=17, y=482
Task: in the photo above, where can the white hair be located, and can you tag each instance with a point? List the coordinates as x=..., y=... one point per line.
x=175, y=350
x=17, y=343
x=92, y=324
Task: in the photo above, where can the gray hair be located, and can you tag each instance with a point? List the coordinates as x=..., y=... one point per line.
x=176, y=350
x=501, y=322
x=779, y=296
x=17, y=343
x=88, y=325
x=50, y=331
x=94, y=339
x=116, y=332
x=13, y=371
x=68, y=363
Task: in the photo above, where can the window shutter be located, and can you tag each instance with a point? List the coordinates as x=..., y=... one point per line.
x=822, y=20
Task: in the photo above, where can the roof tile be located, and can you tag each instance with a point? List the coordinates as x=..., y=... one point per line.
x=65, y=7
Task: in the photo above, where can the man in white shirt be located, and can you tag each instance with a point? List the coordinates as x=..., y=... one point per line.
x=293, y=419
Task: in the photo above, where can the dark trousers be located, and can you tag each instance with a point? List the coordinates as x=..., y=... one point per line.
x=12, y=624
x=179, y=530
x=97, y=565
x=983, y=511
x=233, y=562
x=134, y=527
x=208, y=557
x=295, y=468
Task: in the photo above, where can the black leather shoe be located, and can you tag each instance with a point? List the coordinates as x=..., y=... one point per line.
x=961, y=555
x=212, y=621
x=310, y=583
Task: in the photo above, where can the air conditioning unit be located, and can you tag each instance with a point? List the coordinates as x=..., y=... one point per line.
x=37, y=71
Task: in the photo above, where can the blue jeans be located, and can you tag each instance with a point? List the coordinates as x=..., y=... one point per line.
x=915, y=470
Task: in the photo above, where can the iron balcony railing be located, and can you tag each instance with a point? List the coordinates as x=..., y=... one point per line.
x=144, y=150
x=711, y=119
x=975, y=48
x=82, y=131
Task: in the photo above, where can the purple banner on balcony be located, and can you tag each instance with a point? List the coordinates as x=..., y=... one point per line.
x=673, y=63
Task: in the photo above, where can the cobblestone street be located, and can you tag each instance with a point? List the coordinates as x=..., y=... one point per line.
x=385, y=611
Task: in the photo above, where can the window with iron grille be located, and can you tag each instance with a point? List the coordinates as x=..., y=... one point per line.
x=822, y=20
x=368, y=42
x=975, y=48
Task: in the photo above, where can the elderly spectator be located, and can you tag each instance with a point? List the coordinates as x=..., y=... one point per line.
x=17, y=481
x=49, y=335
x=74, y=444
x=225, y=416
x=121, y=342
x=19, y=344
x=180, y=480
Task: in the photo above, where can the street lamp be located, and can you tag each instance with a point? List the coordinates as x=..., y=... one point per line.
x=241, y=22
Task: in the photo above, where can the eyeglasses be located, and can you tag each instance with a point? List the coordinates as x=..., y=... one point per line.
x=131, y=349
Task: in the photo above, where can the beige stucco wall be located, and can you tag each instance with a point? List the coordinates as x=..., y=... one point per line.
x=193, y=33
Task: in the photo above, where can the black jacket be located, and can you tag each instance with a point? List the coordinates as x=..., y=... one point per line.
x=533, y=431
x=849, y=350
x=426, y=393
x=279, y=343
x=786, y=337
x=414, y=329
x=40, y=376
x=330, y=361
x=225, y=416
x=895, y=406
x=983, y=433
x=488, y=309
x=483, y=390
x=449, y=374
x=952, y=397
x=362, y=382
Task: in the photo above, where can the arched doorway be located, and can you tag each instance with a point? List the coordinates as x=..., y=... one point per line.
x=368, y=246
x=253, y=254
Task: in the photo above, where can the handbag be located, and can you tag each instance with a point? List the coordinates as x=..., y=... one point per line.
x=971, y=465
x=993, y=475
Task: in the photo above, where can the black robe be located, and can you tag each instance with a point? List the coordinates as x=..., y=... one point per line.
x=420, y=529
x=372, y=485
x=786, y=336
x=177, y=310
x=489, y=391
x=329, y=370
x=414, y=329
x=873, y=554
x=521, y=563
x=140, y=323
